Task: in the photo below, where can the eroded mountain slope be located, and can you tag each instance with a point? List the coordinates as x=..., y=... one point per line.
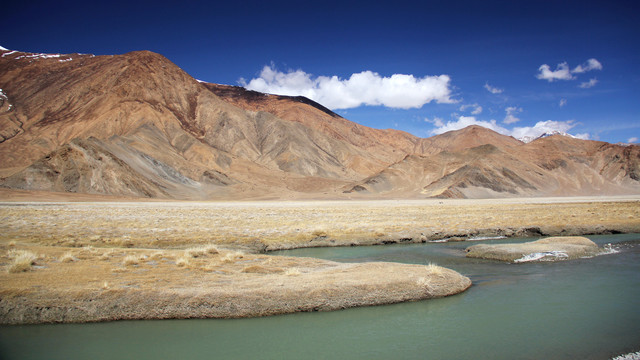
x=137, y=125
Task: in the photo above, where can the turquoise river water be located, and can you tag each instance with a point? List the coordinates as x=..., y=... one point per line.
x=581, y=309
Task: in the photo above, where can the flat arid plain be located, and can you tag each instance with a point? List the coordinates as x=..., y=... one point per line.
x=97, y=261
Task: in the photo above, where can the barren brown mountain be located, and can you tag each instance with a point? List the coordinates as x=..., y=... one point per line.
x=137, y=125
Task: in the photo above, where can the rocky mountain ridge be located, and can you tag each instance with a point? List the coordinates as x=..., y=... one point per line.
x=136, y=125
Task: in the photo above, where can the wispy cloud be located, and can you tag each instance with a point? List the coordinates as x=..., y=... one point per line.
x=588, y=84
x=562, y=71
x=435, y=121
x=493, y=90
x=562, y=102
x=511, y=111
x=363, y=88
x=632, y=140
x=477, y=109
x=531, y=132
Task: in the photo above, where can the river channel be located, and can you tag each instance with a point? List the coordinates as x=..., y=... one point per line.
x=580, y=309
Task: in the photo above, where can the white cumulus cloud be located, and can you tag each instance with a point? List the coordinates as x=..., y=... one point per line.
x=545, y=127
x=560, y=73
x=591, y=64
x=588, y=84
x=464, y=121
x=524, y=132
x=363, y=88
x=511, y=117
x=632, y=140
x=491, y=89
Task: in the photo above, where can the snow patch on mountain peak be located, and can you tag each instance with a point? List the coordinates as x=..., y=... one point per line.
x=528, y=139
x=38, y=56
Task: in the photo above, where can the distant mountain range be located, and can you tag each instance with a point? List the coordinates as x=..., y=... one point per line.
x=136, y=125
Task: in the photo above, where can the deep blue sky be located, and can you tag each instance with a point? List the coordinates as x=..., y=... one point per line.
x=502, y=44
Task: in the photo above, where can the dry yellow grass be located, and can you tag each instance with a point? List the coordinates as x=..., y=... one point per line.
x=67, y=257
x=21, y=260
x=434, y=269
x=548, y=249
x=93, y=290
x=262, y=269
x=183, y=262
x=131, y=260
x=281, y=225
x=231, y=257
x=292, y=272
x=202, y=250
x=183, y=259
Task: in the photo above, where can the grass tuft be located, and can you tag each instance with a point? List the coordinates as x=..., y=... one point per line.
x=183, y=262
x=202, y=251
x=131, y=260
x=434, y=269
x=232, y=256
x=22, y=260
x=67, y=258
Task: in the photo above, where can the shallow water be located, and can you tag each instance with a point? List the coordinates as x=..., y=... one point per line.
x=581, y=309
